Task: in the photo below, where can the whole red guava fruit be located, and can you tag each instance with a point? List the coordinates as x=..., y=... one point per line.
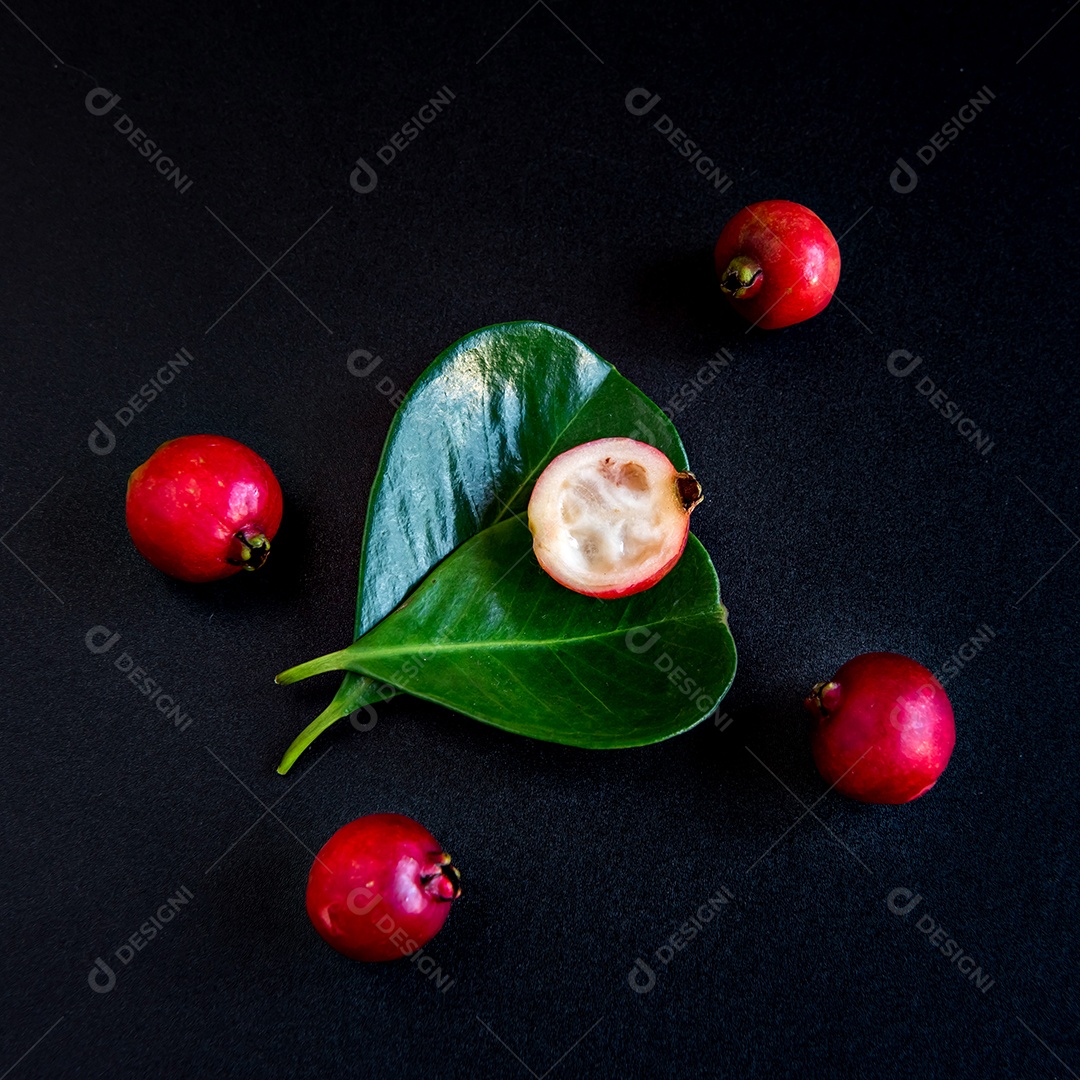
x=381, y=887
x=203, y=507
x=884, y=728
x=778, y=263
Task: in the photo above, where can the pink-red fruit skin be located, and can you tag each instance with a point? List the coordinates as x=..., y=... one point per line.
x=611, y=517
x=778, y=263
x=203, y=507
x=884, y=729
x=380, y=888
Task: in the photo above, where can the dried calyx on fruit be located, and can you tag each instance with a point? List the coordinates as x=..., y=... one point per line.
x=610, y=518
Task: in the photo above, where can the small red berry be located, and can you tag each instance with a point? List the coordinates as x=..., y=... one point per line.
x=610, y=518
x=203, y=507
x=381, y=887
x=884, y=730
x=778, y=263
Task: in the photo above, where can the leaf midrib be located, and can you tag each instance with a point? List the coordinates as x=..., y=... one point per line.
x=463, y=646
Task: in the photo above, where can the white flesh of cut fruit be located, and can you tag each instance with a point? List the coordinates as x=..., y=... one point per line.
x=610, y=517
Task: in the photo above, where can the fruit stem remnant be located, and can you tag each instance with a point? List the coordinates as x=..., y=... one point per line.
x=742, y=278
x=253, y=550
x=689, y=490
x=824, y=697
x=441, y=880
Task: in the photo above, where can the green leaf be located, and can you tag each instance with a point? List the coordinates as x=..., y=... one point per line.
x=464, y=449
x=471, y=438
x=490, y=634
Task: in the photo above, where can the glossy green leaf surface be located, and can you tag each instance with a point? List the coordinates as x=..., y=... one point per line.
x=490, y=634
x=464, y=449
x=471, y=438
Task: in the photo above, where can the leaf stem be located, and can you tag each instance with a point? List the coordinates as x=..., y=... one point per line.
x=330, y=662
x=354, y=693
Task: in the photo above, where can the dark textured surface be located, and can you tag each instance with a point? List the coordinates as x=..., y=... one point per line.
x=845, y=514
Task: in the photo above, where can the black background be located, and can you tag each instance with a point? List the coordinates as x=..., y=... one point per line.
x=844, y=514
